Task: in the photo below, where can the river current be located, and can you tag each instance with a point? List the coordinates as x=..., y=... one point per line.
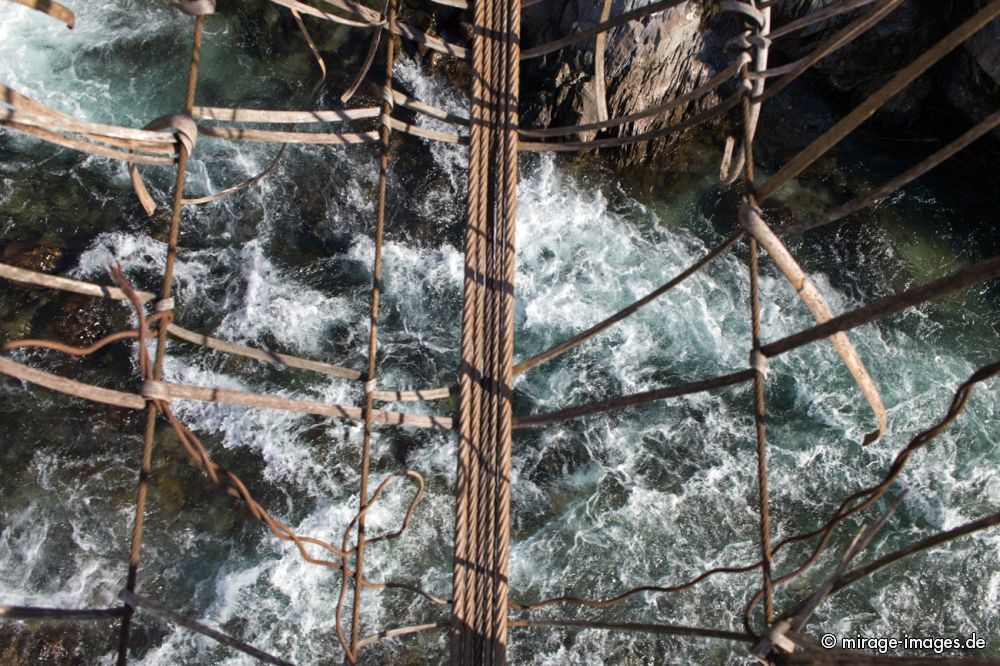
x=653, y=494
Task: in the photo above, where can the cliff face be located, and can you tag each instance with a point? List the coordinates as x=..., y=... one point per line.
x=657, y=58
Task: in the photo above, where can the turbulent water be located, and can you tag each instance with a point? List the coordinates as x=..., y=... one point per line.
x=653, y=494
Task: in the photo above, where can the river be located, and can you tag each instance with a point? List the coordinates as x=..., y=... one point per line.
x=653, y=494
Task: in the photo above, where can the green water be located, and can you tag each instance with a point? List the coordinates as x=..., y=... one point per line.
x=648, y=495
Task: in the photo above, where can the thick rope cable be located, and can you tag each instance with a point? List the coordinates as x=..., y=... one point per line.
x=482, y=483
x=464, y=585
x=511, y=78
x=489, y=437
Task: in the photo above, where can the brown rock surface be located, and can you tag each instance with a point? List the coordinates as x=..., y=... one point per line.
x=673, y=51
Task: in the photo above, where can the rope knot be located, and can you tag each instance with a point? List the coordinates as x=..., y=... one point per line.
x=751, y=218
x=745, y=8
x=195, y=7
x=388, y=97
x=164, y=304
x=154, y=390
x=389, y=103
x=758, y=361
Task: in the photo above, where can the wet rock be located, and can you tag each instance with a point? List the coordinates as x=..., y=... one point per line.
x=647, y=62
x=973, y=87
x=80, y=320
x=611, y=494
x=47, y=259
x=403, y=444
x=459, y=73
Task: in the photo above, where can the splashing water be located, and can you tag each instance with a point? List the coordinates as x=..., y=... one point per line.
x=653, y=494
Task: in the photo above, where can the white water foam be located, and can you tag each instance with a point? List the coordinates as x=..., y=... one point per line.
x=653, y=494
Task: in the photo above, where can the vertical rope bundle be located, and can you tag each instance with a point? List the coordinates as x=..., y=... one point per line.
x=482, y=511
x=370, y=373
x=185, y=145
x=755, y=38
x=479, y=621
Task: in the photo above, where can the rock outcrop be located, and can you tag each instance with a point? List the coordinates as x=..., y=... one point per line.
x=650, y=61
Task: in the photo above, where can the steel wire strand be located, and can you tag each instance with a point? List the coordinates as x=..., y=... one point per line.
x=465, y=586
x=709, y=86
x=958, y=403
x=841, y=38
x=482, y=157
x=511, y=51
x=861, y=541
x=464, y=543
x=134, y=601
x=911, y=549
x=369, y=56
x=874, y=493
x=818, y=15
x=489, y=439
x=370, y=18
x=59, y=614
x=34, y=343
x=351, y=647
